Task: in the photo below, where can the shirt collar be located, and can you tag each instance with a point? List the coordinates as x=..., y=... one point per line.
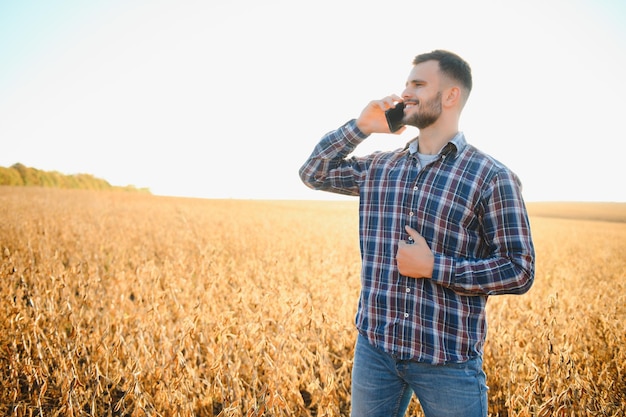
x=456, y=144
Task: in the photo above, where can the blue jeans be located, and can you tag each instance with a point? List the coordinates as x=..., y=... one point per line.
x=383, y=386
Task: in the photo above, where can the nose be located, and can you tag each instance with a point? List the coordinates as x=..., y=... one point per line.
x=405, y=94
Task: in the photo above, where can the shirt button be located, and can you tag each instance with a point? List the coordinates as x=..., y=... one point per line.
x=415, y=188
x=406, y=315
x=408, y=290
x=411, y=214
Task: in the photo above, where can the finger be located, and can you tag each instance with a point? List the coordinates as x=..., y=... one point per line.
x=396, y=99
x=412, y=232
x=414, y=235
x=390, y=101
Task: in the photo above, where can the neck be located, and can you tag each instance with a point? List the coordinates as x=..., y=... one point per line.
x=437, y=135
x=433, y=138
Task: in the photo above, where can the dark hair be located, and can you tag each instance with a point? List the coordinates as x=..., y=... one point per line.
x=450, y=64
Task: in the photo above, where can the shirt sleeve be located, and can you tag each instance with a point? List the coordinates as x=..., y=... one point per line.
x=329, y=168
x=509, y=267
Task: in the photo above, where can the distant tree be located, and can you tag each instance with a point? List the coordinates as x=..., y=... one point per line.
x=89, y=182
x=19, y=174
x=10, y=176
x=45, y=179
x=29, y=176
x=56, y=179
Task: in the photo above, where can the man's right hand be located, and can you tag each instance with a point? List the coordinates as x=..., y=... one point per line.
x=372, y=118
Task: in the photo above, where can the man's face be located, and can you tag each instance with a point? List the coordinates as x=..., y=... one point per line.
x=422, y=95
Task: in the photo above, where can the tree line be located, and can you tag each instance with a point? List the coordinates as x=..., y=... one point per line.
x=21, y=175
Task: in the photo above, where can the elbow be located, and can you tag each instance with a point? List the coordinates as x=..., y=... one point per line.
x=312, y=178
x=526, y=282
x=525, y=278
x=305, y=174
x=308, y=178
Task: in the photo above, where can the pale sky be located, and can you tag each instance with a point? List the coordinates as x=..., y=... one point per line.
x=227, y=99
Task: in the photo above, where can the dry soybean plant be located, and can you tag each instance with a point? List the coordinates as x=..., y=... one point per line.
x=124, y=304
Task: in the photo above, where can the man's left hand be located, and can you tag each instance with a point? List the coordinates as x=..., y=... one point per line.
x=415, y=260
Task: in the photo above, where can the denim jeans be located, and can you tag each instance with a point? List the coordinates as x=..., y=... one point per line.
x=382, y=386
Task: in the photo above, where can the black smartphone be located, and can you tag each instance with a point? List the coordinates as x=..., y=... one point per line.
x=394, y=117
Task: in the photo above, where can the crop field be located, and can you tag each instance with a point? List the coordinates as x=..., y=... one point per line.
x=127, y=304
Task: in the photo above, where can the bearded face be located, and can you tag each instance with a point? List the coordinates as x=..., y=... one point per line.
x=427, y=113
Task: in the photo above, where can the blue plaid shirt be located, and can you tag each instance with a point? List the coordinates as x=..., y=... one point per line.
x=470, y=210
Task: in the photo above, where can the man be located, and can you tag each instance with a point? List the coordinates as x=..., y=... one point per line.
x=442, y=227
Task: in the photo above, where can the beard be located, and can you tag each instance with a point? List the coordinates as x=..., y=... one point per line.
x=426, y=114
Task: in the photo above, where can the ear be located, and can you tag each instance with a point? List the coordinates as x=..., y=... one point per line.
x=451, y=96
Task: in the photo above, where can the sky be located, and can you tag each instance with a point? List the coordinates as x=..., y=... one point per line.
x=224, y=99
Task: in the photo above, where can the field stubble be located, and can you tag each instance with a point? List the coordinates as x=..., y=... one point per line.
x=122, y=304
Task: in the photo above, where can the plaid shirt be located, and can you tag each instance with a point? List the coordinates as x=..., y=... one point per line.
x=470, y=210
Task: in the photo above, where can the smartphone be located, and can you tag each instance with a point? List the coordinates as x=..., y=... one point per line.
x=394, y=117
